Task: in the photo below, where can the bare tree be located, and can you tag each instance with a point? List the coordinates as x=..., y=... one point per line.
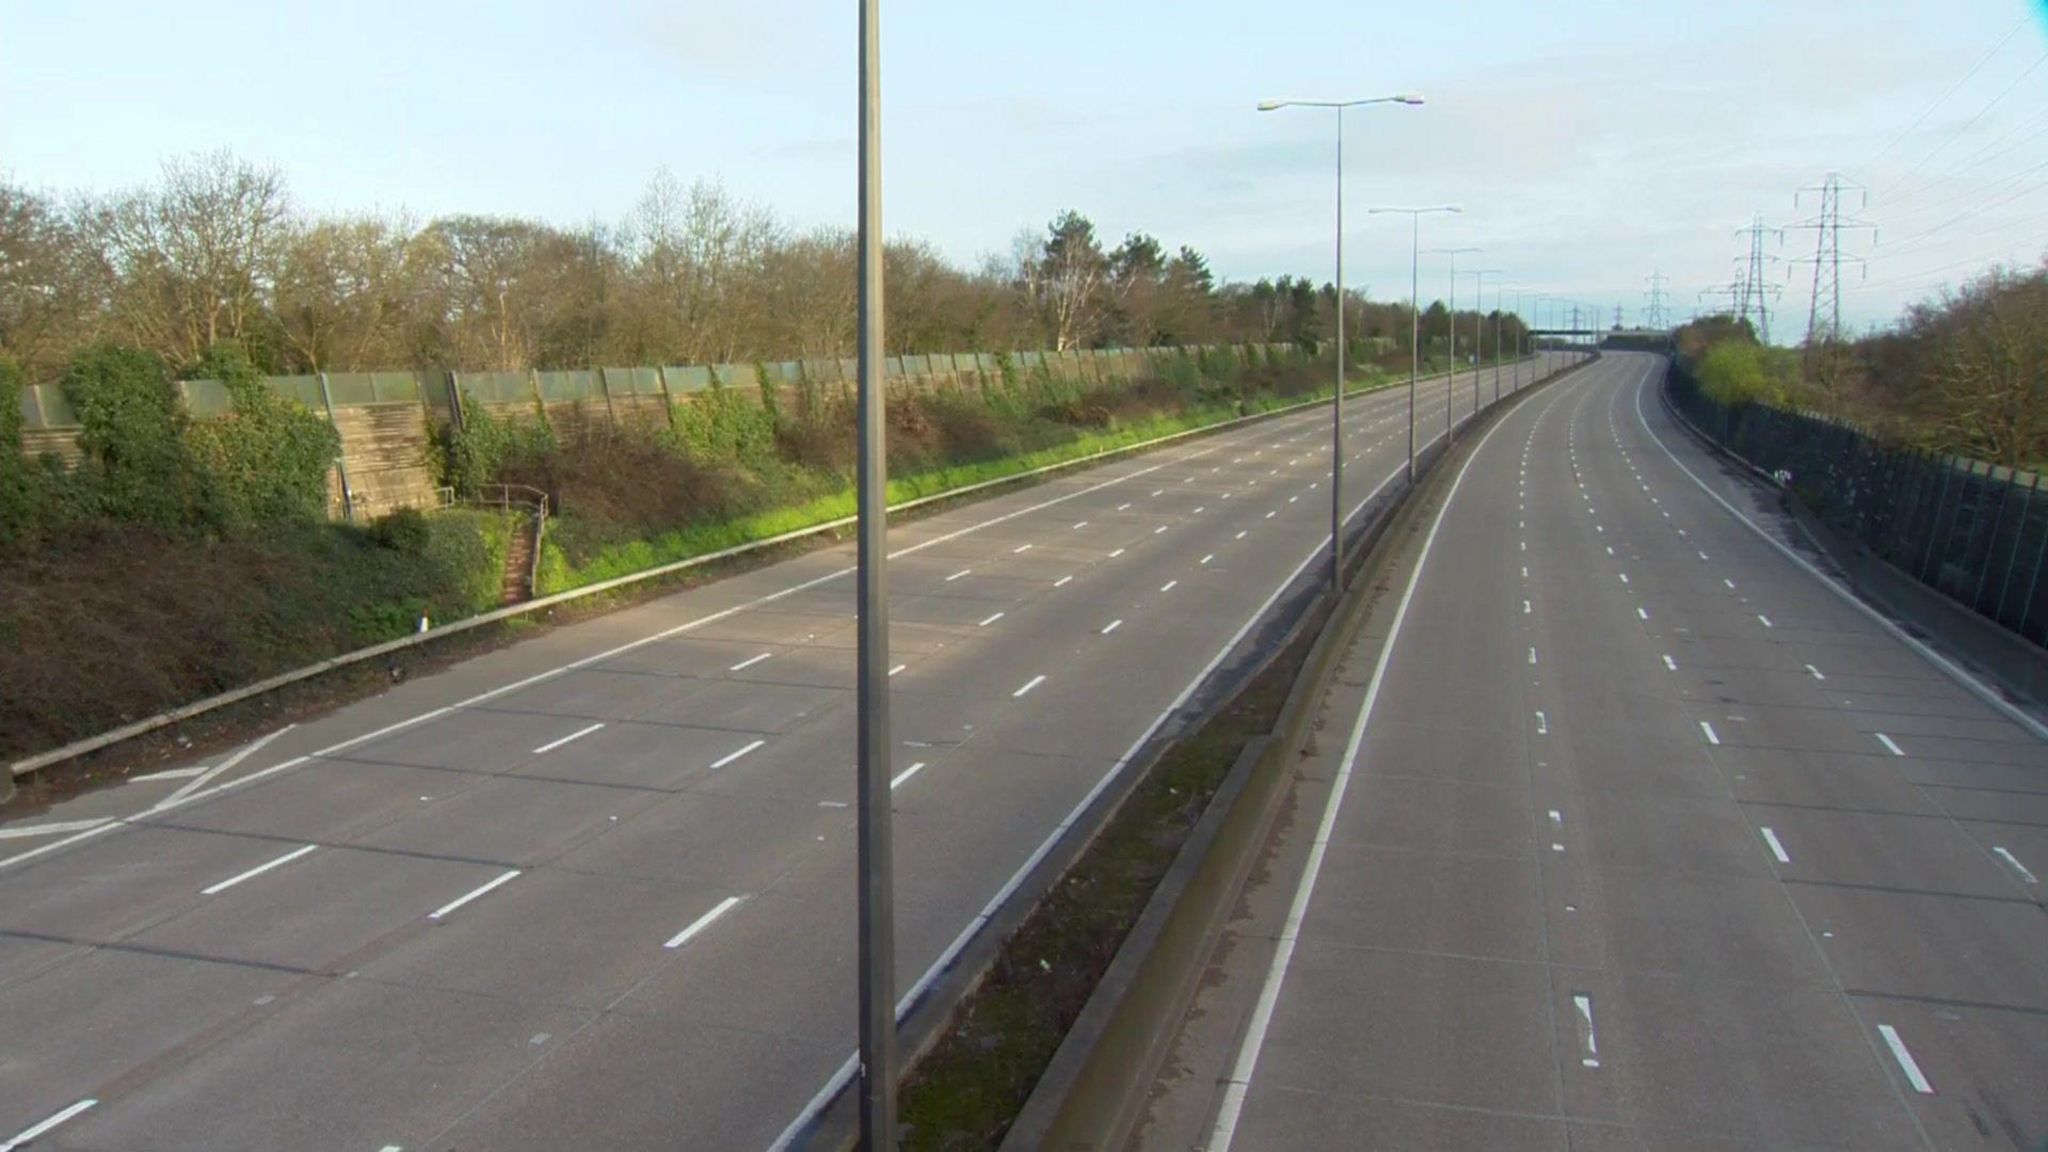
x=1065, y=277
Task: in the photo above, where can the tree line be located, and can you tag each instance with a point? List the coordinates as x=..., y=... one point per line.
x=1964, y=372
x=215, y=253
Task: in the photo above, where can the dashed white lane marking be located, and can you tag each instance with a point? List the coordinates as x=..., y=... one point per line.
x=1525, y=545
x=1034, y=682
x=898, y=668
x=1168, y=586
x=1816, y=672
x=1117, y=553
x=1765, y=620
x=749, y=662
x=1292, y=499
x=1532, y=656
x=1777, y=848
x=1703, y=555
x=1525, y=608
x=1199, y=509
x=1907, y=1064
x=1159, y=530
x=1729, y=583
x=1122, y=507
x=1585, y=1006
x=735, y=754
x=1209, y=557
x=474, y=894
x=958, y=575
x=1525, y=571
x=1890, y=745
x=259, y=870
x=1542, y=724
x=1242, y=535
x=1624, y=577
x=702, y=922
x=1669, y=663
x=1160, y=492
x=2014, y=861
x=992, y=618
x=1610, y=549
x=579, y=734
x=905, y=775
x=1112, y=626
x=1270, y=515
x=30, y=1134
x=1062, y=582
x=1642, y=613
x=1707, y=730
x=1020, y=549
x=1080, y=524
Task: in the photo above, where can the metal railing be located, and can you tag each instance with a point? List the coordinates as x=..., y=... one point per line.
x=1974, y=531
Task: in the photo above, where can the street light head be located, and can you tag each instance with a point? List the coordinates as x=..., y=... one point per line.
x=1408, y=98
x=1271, y=105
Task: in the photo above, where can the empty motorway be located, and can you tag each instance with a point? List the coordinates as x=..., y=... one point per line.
x=1626, y=830
x=596, y=889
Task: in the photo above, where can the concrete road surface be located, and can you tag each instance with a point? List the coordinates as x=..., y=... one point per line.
x=595, y=890
x=1635, y=836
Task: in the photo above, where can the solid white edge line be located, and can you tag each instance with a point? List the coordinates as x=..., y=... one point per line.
x=44, y=1128
x=729, y=757
x=1948, y=667
x=702, y=922
x=851, y=1065
x=1907, y=1064
x=1238, y=1083
x=28, y=831
x=579, y=734
x=474, y=894
x=905, y=775
x=259, y=870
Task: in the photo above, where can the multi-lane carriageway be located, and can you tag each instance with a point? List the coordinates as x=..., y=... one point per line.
x=595, y=890
x=1636, y=834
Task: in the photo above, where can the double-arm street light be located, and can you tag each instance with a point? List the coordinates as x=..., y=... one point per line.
x=1451, y=381
x=1337, y=408
x=1415, y=216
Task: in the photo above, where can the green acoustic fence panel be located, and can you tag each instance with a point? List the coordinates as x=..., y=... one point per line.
x=560, y=386
x=821, y=371
x=633, y=381
x=687, y=378
x=496, y=387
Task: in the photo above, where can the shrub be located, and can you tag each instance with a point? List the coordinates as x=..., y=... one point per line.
x=17, y=506
x=133, y=438
x=404, y=531
x=266, y=460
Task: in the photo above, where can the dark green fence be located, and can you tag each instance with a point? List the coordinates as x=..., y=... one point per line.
x=1973, y=531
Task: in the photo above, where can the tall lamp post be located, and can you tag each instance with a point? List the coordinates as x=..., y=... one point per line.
x=1415, y=216
x=873, y=838
x=1451, y=381
x=1337, y=408
x=1479, y=345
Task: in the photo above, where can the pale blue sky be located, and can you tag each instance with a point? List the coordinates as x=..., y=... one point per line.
x=1589, y=143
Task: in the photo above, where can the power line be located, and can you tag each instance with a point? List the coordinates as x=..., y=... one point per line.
x=1966, y=126
x=1952, y=89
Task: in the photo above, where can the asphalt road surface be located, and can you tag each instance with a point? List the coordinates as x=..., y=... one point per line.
x=595, y=890
x=1636, y=835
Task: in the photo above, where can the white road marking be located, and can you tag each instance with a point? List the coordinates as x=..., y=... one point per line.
x=832, y=804
x=26, y=831
x=702, y=922
x=1816, y=672
x=990, y=620
x=1532, y=656
x=579, y=734
x=729, y=757
x=749, y=662
x=1703, y=555
x=1708, y=730
x=1159, y=530
x=1907, y=1064
x=445, y=909
x=1610, y=549
x=1242, y=535
x=1112, y=626
x=1122, y=507
x=1080, y=524
x=1670, y=663
x=202, y=780
x=1199, y=509
x=1642, y=613
x=1525, y=545
x=1765, y=620
x=259, y=870
x=1020, y=549
x=1168, y=586
x=1777, y=849
x=1624, y=577
x=906, y=774
x=1160, y=492
x=1525, y=608
x=45, y=1127
x=1525, y=571
x=168, y=774
x=1585, y=1006
x=1209, y=557
x=958, y=575
x=1062, y=581
x=1115, y=554
x=898, y=668
x=1270, y=515
x=2018, y=867
x=1729, y=583
x=1890, y=745
x=1034, y=682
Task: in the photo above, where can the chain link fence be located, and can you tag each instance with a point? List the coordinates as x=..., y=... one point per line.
x=1975, y=532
